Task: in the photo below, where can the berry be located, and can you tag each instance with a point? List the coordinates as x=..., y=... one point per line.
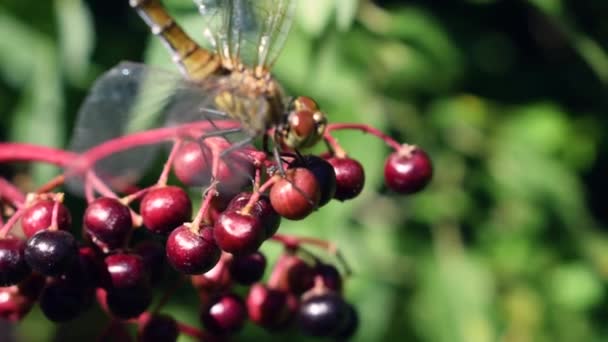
x=408, y=170
x=126, y=270
x=322, y=314
x=350, y=324
x=14, y=305
x=39, y=217
x=125, y=303
x=154, y=256
x=215, y=280
x=109, y=223
x=192, y=164
x=13, y=267
x=158, y=328
x=61, y=301
x=224, y=314
x=261, y=209
x=166, y=208
x=248, y=269
x=238, y=233
x=51, y=252
x=292, y=274
x=350, y=177
x=297, y=195
x=192, y=252
x=330, y=276
x=89, y=270
x=270, y=308
x=323, y=172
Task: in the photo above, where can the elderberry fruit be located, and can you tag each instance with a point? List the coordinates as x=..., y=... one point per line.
x=235, y=171
x=330, y=276
x=40, y=215
x=238, y=233
x=350, y=324
x=126, y=303
x=109, y=223
x=166, y=208
x=296, y=195
x=192, y=252
x=192, y=164
x=323, y=172
x=248, y=269
x=158, y=328
x=322, y=315
x=13, y=267
x=154, y=256
x=61, y=301
x=14, y=305
x=292, y=274
x=215, y=280
x=224, y=314
x=350, y=177
x=262, y=209
x=51, y=252
x=126, y=270
x=408, y=171
x=270, y=308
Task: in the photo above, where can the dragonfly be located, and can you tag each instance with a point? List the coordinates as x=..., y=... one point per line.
x=226, y=78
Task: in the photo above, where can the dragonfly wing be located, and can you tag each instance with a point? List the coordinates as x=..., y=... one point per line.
x=131, y=98
x=250, y=31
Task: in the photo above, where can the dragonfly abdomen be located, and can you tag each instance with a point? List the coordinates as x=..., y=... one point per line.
x=195, y=62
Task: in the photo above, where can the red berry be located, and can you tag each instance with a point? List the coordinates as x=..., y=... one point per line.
x=192, y=252
x=166, y=208
x=39, y=216
x=108, y=222
x=125, y=303
x=350, y=177
x=13, y=268
x=238, y=233
x=126, y=270
x=248, y=269
x=235, y=171
x=292, y=274
x=270, y=308
x=215, y=280
x=14, y=305
x=224, y=314
x=192, y=164
x=324, y=173
x=408, y=171
x=262, y=209
x=297, y=195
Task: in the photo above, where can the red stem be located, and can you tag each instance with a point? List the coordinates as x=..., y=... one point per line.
x=14, y=152
x=191, y=331
x=363, y=128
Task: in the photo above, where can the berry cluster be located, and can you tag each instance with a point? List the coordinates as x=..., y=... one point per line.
x=215, y=247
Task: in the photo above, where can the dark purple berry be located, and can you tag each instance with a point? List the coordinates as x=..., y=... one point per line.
x=238, y=233
x=224, y=314
x=248, y=269
x=51, y=252
x=350, y=325
x=13, y=267
x=154, y=256
x=109, y=223
x=292, y=274
x=166, y=208
x=161, y=328
x=408, y=171
x=61, y=301
x=322, y=315
x=126, y=303
x=192, y=252
x=126, y=270
x=39, y=217
x=330, y=276
x=297, y=195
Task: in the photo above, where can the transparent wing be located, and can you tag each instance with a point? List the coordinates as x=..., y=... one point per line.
x=133, y=98
x=250, y=31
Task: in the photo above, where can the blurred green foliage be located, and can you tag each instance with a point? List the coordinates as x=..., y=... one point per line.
x=509, y=242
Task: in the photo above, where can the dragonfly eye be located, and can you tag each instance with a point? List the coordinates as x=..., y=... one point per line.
x=303, y=102
x=303, y=128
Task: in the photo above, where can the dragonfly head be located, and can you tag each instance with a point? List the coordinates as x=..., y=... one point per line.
x=303, y=124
